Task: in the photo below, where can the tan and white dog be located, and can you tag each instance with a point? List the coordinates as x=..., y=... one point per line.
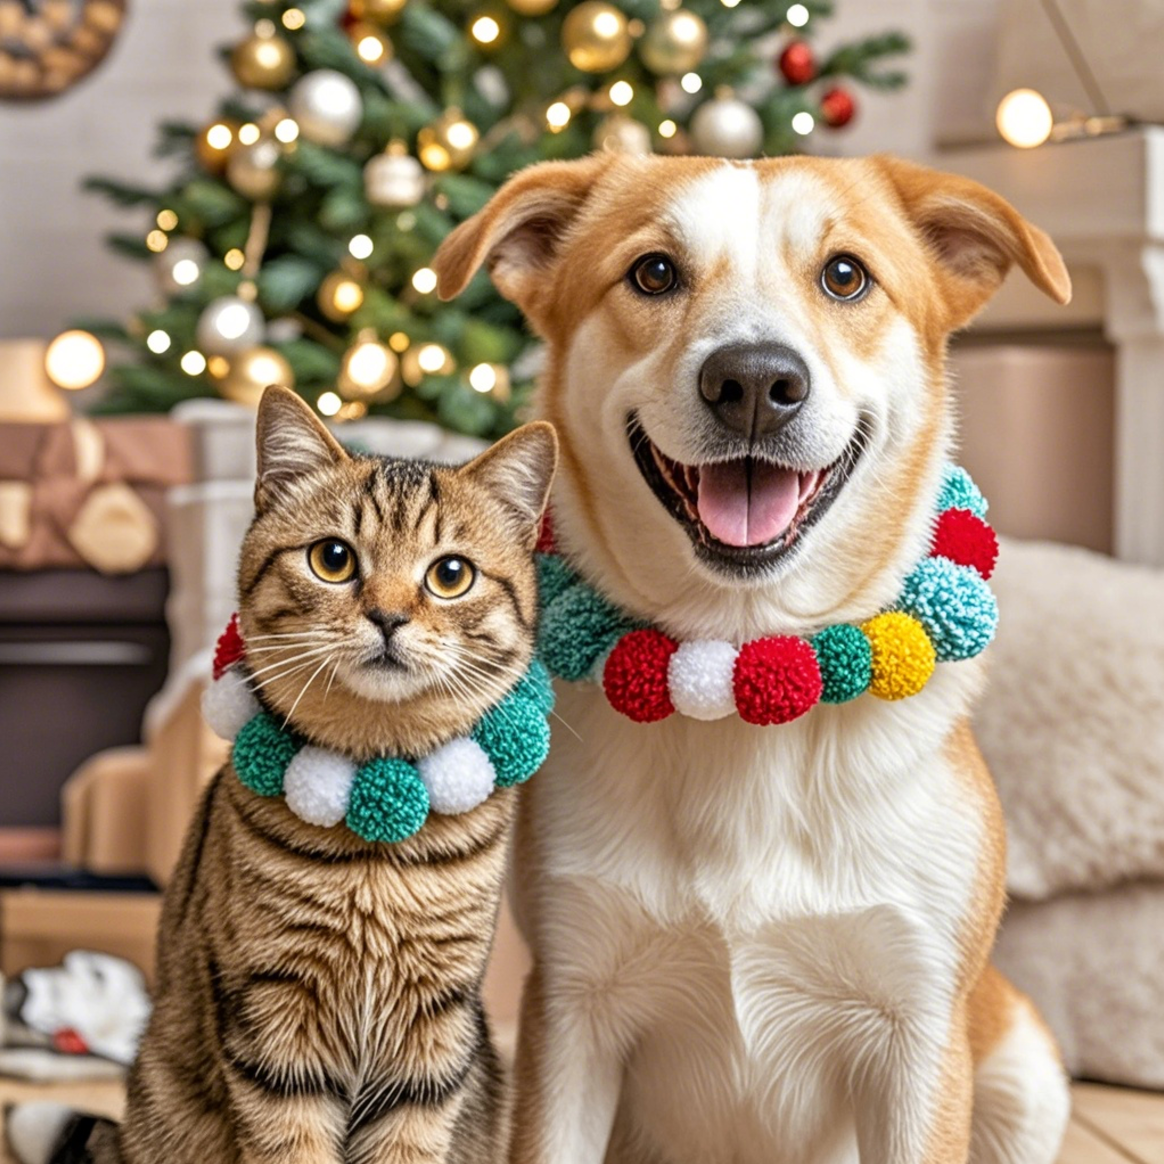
x=761, y=945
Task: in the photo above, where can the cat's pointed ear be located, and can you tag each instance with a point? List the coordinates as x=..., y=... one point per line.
x=291, y=442
x=518, y=471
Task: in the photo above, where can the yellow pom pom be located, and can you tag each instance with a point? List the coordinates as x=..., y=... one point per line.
x=903, y=656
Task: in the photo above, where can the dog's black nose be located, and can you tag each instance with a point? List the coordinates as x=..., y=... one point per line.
x=389, y=622
x=754, y=389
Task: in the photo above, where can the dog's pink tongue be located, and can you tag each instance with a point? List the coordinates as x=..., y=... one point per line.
x=746, y=503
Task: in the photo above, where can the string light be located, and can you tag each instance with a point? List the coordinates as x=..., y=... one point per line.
x=360, y=247
x=425, y=280
x=234, y=259
x=329, y=403
x=74, y=360
x=193, y=363
x=485, y=30
x=622, y=93
x=558, y=115
x=433, y=358
x=797, y=16
x=461, y=135
x=264, y=29
x=158, y=342
x=157, y=241
x=372, y=48
x=483, y=378
x=668, y=128
x=348, y=296
x=803, y=123
x=219, y=367
x=287, y=130
x=186, y=272
x=294, y=19
x=691, y=82
x=729, y=3
x=219, y=136
x=1024, y=118
x=167, y=219
x=398, y=341
x=249, y=134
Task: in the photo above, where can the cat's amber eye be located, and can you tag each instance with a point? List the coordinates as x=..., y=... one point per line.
x=450, y=577
x=332, y=560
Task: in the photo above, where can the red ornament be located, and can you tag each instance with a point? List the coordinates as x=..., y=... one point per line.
x=70, y=1042
x=635, y=676
x=546, y=535
x=229, y=649
x=776, y=680
x=965, y=538
x=798, y=63
x=837, y=107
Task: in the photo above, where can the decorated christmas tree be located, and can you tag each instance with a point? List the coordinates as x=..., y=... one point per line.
x=293, y=243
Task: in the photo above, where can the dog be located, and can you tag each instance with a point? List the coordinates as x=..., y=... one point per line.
x=761, y=945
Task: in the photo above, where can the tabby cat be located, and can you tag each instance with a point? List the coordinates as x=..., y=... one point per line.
x=318, y=996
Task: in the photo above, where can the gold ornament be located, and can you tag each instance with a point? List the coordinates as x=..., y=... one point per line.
x=254, y=170
x=368, y=369
x=339, y=296
x=595, y=37
x=623, y=135
x=675, y=43
x=263, y=62
x=532, y=7
x=378, y=11
x=448, y=143
x=216, y=143
x=254, y=371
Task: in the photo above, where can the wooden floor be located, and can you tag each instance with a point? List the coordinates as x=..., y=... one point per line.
x=1110, y=1126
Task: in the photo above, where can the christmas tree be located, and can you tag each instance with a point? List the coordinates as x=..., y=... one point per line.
x=293, y=243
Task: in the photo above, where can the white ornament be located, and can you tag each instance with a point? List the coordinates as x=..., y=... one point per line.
x=318, y=786
x=327, y=106
x=394, y=181
x=230, y=325
x=228, y=703
x=179, y=267
x=726, y=127
x=700, y=678
x=458, y=776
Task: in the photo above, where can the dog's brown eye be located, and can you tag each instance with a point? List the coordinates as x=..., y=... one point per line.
x=654, y=275
x=844, y=278
x=450, y=577
x=332, y=560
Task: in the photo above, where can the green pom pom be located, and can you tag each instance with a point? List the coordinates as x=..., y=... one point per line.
x=535, y=687
x=577, y=628
x=516, y=738
x=846, y=662
x=262, y=750
x=389, y=801
x=554, y=578
x=960, y=492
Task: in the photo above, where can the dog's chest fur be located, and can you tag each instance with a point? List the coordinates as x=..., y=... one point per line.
x=750, y=911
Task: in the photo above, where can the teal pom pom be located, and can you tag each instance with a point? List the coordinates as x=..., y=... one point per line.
x=846, y=662
x=535, y=687
x=960, y=492
x=516, y=738
x=262, y=750
x=554, y=578
x=954, y=604
x=576, y=628
x=389, y=801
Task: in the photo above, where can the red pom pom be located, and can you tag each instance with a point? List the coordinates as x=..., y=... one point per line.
x=776, y=680
x=966, y=539
x=837, y=108
x=229, y=649
x=797, y=63
x=546, y=535
x=635, y=676
x=70, y=1042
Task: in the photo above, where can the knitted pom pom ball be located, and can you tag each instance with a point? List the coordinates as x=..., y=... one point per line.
x=228, y=703
x=776, y=680
x=846, y=662
x=635, y=676
x=903, y=656
x=959, y=492
x=965, y=538
x=700, y=676
x=536, y=687
x=515, y=737
x=318, y=786
x=458, y=776
x=954, y=604
x=229, y=648
x=389, y=801
x=576, y=628
x=261, y=753
x=554, y=578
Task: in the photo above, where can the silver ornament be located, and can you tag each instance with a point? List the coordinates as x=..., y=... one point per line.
x=327, y=106
x=230, y=325
x=726, y=127
x=179, y=267
x=394, y=180
x=623, y=135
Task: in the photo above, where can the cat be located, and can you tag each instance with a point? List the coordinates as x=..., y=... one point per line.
x=318, y=996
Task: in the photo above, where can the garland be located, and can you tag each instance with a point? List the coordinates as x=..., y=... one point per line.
x=946, y=612
x=387, y=798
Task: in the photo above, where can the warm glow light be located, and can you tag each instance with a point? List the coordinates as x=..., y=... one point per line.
x=167, y=219
x=803, y=123
x=485, y=30
x=622, y=93
x=668, y=128
x=371, y=49
x=483, y=378
x=233, y=321
x=74, y=360
x=219, y=367
x=329, y=403
x=293, y=18
x=158, y=342
x=157, y=241
x=268, y=53
x=347, y=296
x=368, y=366
x=432, y=358
x=287, y=130
x=461, y=135
x=729, y=3
x=691, y=82
x=797, y=16
x=360, y=247
x=607, y=25
x=558, y=115
x=425, y=280
x=398, y=341
x=219, y=136
x=185, y=272
x=249, y=134
x=1024, y=118
x=234, y=259
x=193, y=363
x=687, y=29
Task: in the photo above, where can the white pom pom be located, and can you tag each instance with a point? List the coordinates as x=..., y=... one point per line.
x=700, y=679
x=228, y=703
x=458, y=776
x=318, y=786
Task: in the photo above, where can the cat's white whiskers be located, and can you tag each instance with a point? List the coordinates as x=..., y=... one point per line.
x=303, y=690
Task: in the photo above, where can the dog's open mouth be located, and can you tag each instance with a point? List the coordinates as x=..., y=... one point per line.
x=743, y=512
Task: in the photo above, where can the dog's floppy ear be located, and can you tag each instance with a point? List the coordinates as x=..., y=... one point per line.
x=517, y=234
x=975, y=235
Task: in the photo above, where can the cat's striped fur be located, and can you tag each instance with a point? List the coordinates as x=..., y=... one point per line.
x=318, y=997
